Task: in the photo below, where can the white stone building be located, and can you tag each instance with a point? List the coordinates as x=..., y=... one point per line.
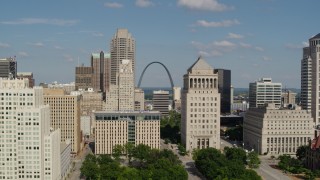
x=28, y=148
x=274, y=131
x=200, y=107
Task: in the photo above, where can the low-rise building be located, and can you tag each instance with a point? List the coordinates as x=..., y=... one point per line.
x=118, y=127
x=274, y=131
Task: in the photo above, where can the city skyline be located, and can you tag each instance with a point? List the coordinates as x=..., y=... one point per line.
x=253, y=39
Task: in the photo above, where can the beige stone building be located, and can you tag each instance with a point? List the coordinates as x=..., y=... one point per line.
x=29, y=148
x=274, y=131
x=120, y=97
x=114, y=128
x=138, y=99
x=288, y=97
x=65, y=115
x=200, y=107
x=91, y=101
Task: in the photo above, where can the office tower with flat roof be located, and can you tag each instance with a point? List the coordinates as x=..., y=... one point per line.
x=138, y=99
x=100, y=71
x=83, y=77
x=122, y=46
x=273, y=131
x=161, y=102
x=176, y=98
x=120, y=97
x=28, y=75
x=311, y=53
x=200, y=107
x=8, y=67
x=306, y=79
x=29, y=148
x=65, y=115
x=264, y=91
x=224, y=86
x=136, y=127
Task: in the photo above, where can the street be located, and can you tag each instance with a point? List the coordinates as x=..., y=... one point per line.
x=187, y=161
x=75, y=172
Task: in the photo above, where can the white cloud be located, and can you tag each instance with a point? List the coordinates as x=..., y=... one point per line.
x=297, y=46
x=4, y=45
x=58, y=47
x=265, y=58
x=37, y=44
x=30, y=21
x=244, y=45
x=68, y=57
x=23, y=54
x=97, y=34
x=224, y=44
x=224, y=23
x=216, y=48
x=258, y=48
x=234, y=36
x=113, y=5
x=144, y=3
x=204, y=5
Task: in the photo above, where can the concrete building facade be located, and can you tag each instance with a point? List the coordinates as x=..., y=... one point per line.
x=275, y=131
x=264, y=91
x=138, y=99
x=161, y=102
x=306, y=79
x=200, y=107
x=29, y=76
x=83, y=77
x=65, y=115
x=120, y=97
x=117, y=127
x=8, y=67
x=25, y=133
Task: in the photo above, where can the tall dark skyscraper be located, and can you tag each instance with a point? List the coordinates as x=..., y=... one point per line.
x=100, y=71
x=224, y=86
x=8, y=66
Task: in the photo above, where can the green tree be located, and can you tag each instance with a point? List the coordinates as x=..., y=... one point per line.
x=129, y=150
x=89, y=167
x=117, y=151
x=250, y=174
x=111, y=170
x=182, y=150
x=309, y=175
x=130, y=173
x=235, y=154
x=253, y=160
x=301, y=152
x=141, y=152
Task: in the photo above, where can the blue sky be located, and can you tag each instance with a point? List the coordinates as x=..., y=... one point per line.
x=252, y=38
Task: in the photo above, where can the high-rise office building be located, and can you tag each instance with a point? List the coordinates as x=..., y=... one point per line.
x=200, y=107
x=277, y=131
x=65, y=115
x=114, y=128
x=8, y=67
x=161, y=102
x=120, y=97
x=311, y=56
x=224, y=86
x=122, y=46
x=264, y=91
x=306, y=79
x=100, y=71
x=83, y=77
x=29, y=148
x=28, y=75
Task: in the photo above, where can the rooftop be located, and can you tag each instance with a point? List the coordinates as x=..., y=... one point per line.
x=200, y=64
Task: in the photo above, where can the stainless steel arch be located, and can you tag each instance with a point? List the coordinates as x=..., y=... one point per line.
x=156, y=62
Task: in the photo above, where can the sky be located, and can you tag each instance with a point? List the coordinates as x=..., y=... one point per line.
x=252, y=38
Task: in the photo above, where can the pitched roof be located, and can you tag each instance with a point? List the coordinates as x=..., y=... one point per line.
x=200, y=64
x=316, y=36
